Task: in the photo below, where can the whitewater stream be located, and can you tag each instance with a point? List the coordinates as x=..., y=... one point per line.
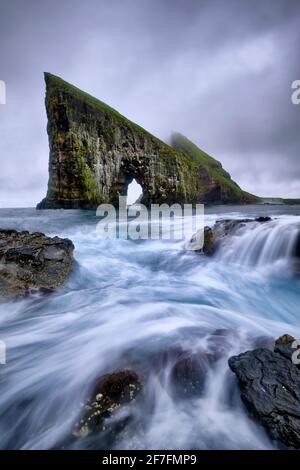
x=127, y=303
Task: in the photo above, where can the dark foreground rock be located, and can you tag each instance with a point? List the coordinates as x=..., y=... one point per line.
x=32, y=261
x=111, y=393
x=270, y=388
x=297, y=255
x=185, y=373
x=189, y=374
x=285, y=345
x=205, y=245
x=213, y=236
x=224, y=228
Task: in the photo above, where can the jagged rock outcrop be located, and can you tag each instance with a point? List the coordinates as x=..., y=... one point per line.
x=203, y=244
x=112, y=392
x=297, y=255
x=95, y=153
x=213, y=236
x=270, y=388
x=32, y=261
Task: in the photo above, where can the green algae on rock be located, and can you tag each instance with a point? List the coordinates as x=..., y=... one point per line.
x=95, y=153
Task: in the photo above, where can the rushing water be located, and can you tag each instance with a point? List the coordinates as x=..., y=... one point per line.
x=127, y=302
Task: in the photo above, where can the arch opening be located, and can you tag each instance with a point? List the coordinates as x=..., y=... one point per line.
x=134, y=193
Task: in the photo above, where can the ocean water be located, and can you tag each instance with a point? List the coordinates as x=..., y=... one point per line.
x=127, y=303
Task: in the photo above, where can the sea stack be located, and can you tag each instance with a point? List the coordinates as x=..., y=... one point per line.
x=95, y=153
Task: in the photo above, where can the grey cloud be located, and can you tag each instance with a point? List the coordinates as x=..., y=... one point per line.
x=219, y=72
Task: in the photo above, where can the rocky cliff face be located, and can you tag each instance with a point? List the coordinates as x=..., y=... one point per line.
x=95, y=153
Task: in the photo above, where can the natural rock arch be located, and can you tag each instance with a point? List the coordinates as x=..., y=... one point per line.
x=128, y=172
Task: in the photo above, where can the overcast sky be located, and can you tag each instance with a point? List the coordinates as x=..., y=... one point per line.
x=218, y=71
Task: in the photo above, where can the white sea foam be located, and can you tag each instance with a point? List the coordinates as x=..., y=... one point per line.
x=129, y=301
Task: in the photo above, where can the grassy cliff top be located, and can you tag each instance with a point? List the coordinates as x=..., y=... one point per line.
x=55, y=83
x=195, y=153
x=213, y=166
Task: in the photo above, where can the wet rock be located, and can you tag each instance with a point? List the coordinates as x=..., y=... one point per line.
x=297, y=247
x=161, y=360
x=270, y=388
x=284, y=339
x=32, y=261
x=286, y=345
x=221, y=230
x=183, y=371
x=220, y=342
x=224, y=228
x=263, y=342
x=263, y=219
x=112, y=392
x=296, y=255
x=188, y=375
x=208, y=246
x=200, y=244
